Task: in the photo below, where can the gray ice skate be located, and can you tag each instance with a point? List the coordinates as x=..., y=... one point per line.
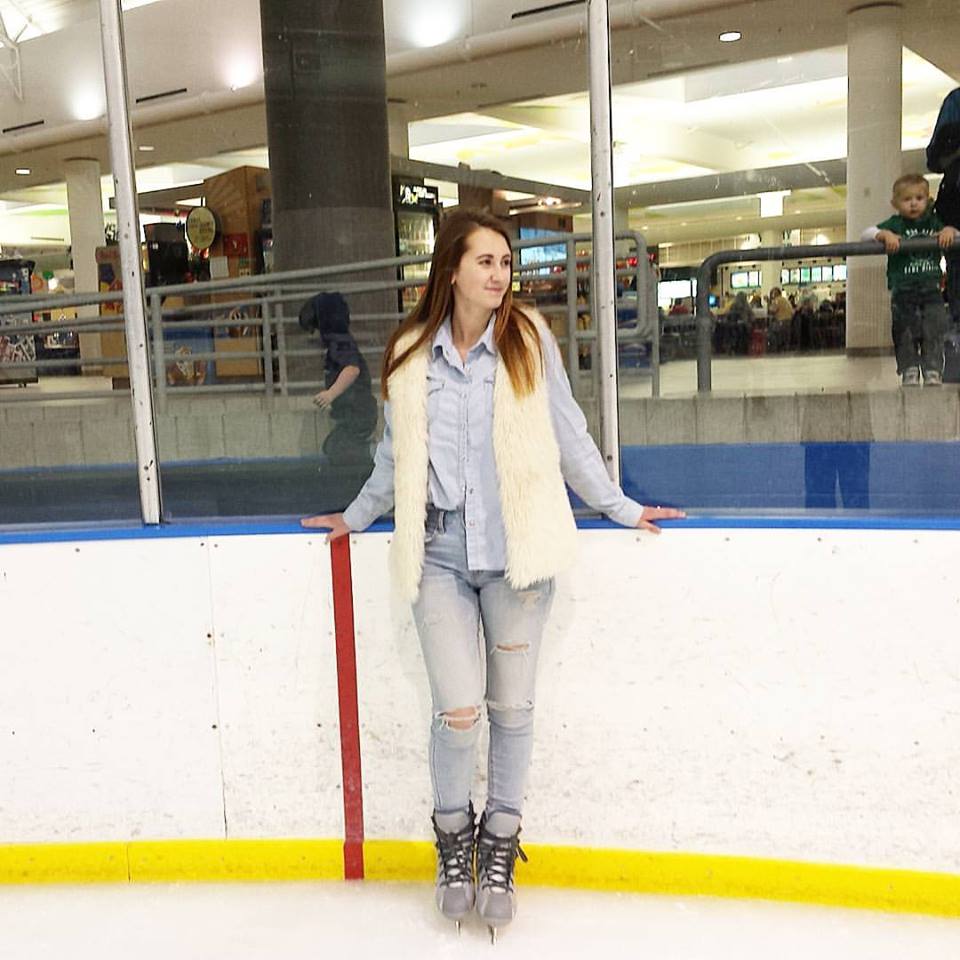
x=456, y=891
x=498, y=846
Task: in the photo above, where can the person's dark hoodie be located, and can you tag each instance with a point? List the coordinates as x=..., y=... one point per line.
x=328, y=314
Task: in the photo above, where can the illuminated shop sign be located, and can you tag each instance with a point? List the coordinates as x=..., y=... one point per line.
x=415, y=194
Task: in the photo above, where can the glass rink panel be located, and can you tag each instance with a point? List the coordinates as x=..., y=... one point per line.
x=293, y=166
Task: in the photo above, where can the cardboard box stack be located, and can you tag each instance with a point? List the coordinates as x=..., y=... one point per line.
x=236, y=197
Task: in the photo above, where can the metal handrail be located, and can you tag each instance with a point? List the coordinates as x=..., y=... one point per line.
x=704, y=316
x=34, y=303
x=271, y=292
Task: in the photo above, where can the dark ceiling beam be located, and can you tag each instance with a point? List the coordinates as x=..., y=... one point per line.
x=170, y=197
x=167, y=199
x=485, y=179
x=742, y=183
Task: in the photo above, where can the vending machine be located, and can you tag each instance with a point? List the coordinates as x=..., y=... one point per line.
x=416, y=209
x=16, y=348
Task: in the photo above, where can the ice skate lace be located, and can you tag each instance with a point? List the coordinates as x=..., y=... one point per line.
x=497, y=856
x=456, y=855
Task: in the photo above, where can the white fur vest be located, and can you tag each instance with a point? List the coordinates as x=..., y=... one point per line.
x=539, y=525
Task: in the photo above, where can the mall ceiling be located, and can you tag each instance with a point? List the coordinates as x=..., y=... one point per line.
x=543, y=55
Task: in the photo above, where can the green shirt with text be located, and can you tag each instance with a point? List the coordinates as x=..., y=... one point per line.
x=913, y=271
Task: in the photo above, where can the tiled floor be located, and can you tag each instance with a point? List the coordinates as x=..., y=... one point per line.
x=48, y=386
x=790, y=373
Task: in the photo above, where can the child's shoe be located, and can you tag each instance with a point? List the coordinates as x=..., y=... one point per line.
x=910, y=377
x=932, y=378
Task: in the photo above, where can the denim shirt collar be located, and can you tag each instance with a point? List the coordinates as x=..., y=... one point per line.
x=443, y=341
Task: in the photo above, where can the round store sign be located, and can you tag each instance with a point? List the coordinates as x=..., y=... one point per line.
x=201, y=228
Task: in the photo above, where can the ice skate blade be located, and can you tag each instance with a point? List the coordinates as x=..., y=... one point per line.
x=493, y=935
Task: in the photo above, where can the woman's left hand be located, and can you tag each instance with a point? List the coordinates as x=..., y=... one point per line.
x=657, y=513
x=323, y=399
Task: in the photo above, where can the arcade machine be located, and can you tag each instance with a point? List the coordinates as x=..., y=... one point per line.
x=168, y=264
x=15, y=281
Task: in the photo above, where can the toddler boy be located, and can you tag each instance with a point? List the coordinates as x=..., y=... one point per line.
x=919, y=313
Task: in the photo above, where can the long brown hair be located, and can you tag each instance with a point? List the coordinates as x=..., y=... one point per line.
x=514, y=333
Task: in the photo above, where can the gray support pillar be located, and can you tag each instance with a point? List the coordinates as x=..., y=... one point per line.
x=398, y=129
x=621, y=224
x=770, y=270
x=325, y=86
x=85, y=209
x=874, y=125
x=326, y=102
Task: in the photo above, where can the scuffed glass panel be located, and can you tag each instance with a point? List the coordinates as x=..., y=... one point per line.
x=773, y=126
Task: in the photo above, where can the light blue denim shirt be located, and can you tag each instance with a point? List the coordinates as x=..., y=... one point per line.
x=462, y=472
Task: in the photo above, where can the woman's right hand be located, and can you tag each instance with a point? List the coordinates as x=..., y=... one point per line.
x=327, y=521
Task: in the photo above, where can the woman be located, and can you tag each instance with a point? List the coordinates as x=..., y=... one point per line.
x=481, y=432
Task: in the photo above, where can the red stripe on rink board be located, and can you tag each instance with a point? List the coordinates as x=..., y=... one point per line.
x=349, y=718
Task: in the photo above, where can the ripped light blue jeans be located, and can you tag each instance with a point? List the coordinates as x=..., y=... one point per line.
x=466, y=667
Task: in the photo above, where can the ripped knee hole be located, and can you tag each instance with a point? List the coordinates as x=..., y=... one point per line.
x=512, y=647
x=466, y=718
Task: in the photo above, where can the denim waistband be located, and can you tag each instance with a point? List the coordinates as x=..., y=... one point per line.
x=438, y=516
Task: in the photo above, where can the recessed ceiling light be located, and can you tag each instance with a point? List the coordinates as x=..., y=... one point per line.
x=23, y=171
x=145, y=148
x=730, y=36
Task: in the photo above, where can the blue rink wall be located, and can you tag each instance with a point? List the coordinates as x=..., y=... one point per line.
x=883, y=478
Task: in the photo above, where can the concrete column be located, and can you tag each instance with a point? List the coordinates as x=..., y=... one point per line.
x=85, y=209
x=770, y=270
x=326, y=104
x=398, y=129
x=621, y=221
x=325, y=89
x=874, y=132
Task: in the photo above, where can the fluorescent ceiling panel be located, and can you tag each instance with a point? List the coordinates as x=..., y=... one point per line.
x=744, y=116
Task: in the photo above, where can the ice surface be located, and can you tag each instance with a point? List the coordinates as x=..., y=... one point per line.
x=289, y=921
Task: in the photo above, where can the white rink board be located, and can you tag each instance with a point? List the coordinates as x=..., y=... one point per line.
x=277, y=677
x=107, y=693
x=147, y=683
x=394, y=701
x=776, y=693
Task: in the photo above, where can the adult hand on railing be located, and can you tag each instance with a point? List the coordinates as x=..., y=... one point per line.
x=658, y=513
x=327, y=521
x=889, y=239
x=947, y=235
